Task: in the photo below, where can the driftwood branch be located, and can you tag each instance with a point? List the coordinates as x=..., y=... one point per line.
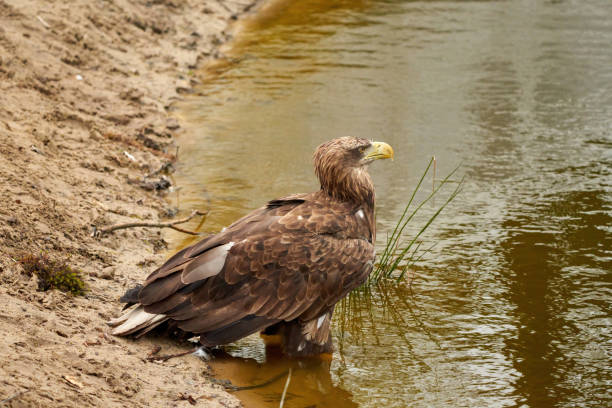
x=173, y=225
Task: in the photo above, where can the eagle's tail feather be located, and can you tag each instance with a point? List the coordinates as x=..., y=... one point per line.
x=134, y=320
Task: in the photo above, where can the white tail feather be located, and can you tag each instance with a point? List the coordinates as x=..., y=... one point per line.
x=134, y=320
x=117, y=321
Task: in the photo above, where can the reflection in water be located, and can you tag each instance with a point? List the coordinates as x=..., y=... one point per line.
x=261, y=384
x=512, y=308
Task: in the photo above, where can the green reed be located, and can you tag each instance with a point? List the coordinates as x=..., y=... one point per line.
x=402, y=252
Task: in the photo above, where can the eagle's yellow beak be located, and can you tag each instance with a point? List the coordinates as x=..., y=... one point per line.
x=379, y=150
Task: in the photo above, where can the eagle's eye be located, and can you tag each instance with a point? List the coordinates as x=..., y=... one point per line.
x=362, y=149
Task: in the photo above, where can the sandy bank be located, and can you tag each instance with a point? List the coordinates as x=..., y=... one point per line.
x=84, y=88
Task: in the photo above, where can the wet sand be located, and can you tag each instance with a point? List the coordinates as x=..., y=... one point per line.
x=85, y=92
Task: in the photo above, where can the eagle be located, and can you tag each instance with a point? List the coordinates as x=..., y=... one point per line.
x=279, y=270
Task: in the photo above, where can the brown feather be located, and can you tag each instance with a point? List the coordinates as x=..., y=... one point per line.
x=160, y=289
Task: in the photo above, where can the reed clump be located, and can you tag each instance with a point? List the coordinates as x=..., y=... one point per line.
x=402, y=252
x=53, y=274
x=389, y=287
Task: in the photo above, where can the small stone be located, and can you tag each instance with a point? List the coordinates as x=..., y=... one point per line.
x=108, y=273
x=158, y=185
x=61, y=333
x=172, y=124
x=132, y=94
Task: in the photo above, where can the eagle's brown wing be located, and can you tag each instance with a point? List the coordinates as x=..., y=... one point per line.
x=294, y=258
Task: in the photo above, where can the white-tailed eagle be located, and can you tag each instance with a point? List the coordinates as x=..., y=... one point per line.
x=280, y=269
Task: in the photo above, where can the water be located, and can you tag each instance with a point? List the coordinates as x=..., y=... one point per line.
x=512, y=306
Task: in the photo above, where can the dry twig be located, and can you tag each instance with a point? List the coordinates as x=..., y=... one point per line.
x=173, y=225
x=73, y=382
x=43, y=22
x=169, y=356
x=12, y=397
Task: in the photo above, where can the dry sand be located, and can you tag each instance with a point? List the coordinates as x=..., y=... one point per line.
x=84, y=90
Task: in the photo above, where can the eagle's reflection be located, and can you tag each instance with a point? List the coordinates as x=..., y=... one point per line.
x=260, y=384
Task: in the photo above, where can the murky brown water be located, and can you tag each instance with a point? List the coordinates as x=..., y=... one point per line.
x=512, y=307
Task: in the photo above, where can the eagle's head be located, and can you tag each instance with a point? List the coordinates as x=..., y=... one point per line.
x=341, y=166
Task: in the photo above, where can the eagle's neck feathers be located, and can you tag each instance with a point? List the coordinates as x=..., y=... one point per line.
x=351, y=184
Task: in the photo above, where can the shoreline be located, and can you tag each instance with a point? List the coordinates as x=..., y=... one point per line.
x=86, y=91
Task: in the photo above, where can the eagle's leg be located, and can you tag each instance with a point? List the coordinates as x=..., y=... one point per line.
x=298, y=344
x=302, y=339
x=273, y=335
